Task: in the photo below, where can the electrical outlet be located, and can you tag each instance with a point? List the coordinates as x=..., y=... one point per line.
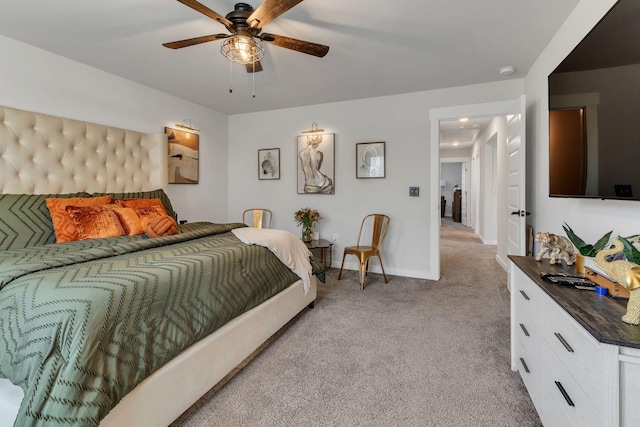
x=335, y=237
x=414, y=191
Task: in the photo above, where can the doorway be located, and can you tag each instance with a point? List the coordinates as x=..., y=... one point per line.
x=505, y=183
x=470, y=183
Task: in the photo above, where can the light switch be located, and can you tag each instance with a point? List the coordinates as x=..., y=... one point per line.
x=414, y=191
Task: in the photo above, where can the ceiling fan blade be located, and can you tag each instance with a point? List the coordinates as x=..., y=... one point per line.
x=193, y=4
x=196, y=40
x=268, y=11
x=309, y=48
x=256, y=69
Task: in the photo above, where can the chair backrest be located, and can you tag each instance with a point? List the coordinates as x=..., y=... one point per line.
x=257, y=218
x=379, y=225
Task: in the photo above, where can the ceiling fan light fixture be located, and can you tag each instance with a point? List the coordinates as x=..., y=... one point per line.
x=242, y=49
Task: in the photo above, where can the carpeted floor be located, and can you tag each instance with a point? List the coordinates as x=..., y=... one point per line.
x=408, y=353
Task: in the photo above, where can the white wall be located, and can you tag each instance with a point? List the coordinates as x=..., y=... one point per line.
x=589, y=218
x=402, y=121
x=35, y=80
x=488, y=190
x=492, y=158
x=474, y=200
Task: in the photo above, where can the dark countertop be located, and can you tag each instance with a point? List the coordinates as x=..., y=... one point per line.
x=600, y=315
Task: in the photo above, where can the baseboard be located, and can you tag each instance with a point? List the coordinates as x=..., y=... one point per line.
x=374, y=267
x=502, y=263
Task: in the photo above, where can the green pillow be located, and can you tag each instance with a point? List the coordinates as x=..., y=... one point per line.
x=25, y=220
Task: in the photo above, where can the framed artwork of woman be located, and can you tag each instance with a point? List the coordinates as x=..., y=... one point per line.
x=269, y=163
x=316, y=163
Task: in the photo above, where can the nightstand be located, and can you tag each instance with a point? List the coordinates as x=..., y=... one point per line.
x=323, y=246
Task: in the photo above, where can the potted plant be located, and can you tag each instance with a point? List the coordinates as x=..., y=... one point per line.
x=586, y=249
x=307, y=218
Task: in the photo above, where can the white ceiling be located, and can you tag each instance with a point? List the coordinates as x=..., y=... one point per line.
x=377, y=47
x=461, y=134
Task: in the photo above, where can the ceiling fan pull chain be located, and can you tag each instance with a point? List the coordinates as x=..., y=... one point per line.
x=254, y=80
x=230, y=77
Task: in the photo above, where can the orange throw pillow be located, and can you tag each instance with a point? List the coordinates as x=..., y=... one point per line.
x=149, y=214
x=163, y=226
x=129, y=220
x=95, y=222
x=141, y=203
x=63, y=226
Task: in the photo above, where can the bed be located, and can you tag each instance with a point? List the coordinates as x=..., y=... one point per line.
x=128, y=330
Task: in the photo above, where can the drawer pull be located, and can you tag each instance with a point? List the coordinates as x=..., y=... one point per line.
x=524, y=294
x=564, y=394
x=524, y=365
x=526, y=333
x=564, y=342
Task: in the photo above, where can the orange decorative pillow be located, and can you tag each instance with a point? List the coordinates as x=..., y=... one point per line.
x=129, y=220
x=65, y=228
x=148, y=214
x=140, y=203
x=163, y=226
x=95, y=222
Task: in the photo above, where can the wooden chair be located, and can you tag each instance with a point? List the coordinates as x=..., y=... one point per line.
x=257, y=218
x=378, y=224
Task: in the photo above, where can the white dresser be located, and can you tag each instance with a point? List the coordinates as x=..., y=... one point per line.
x=579, y=361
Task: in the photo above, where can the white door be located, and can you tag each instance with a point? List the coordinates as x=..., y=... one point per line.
x=516, y=194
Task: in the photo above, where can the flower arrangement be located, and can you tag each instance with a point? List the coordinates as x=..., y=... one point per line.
x=307, y=217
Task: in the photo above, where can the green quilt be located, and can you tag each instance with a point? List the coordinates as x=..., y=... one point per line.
x=84, y=322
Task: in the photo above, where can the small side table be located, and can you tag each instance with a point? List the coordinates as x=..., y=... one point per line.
x=324, y=246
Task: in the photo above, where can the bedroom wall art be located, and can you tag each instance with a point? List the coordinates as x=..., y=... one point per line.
x=269, y=163
x=370, y=160
x=184, y=150
x=316, y=162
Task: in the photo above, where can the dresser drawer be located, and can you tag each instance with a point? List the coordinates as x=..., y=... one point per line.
x=527, y=296
x=565, y=401
x=528, y=359
x=579, y=353
x=629, y=387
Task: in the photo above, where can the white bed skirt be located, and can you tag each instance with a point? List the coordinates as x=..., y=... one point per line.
x=172, y=389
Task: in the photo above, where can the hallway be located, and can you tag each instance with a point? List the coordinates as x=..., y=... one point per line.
x=461, y=250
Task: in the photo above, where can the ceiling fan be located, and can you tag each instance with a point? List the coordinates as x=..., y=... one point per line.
x=245, y=25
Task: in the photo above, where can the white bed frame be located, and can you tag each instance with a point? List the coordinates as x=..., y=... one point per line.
x=104, y=159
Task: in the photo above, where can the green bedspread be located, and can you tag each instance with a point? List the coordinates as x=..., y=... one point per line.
x=83, y=323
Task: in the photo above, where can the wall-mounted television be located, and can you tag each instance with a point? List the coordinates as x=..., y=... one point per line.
x=594, y=111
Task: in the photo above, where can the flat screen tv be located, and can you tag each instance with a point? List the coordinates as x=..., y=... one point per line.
x=594, y=112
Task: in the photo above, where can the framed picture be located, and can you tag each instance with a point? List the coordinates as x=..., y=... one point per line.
x=269, y=163
x=316, y=163
x=184, y=151
x=370, y=160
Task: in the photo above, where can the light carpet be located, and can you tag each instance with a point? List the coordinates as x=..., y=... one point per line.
x=407, y=353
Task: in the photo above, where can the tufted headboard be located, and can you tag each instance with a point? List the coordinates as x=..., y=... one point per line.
x=42, y=154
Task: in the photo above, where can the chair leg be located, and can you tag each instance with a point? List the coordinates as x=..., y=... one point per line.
x=340, y=275
x=382, y=267
x=363, y=274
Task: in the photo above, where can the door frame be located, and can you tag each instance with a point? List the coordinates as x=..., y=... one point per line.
x=500, y=108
